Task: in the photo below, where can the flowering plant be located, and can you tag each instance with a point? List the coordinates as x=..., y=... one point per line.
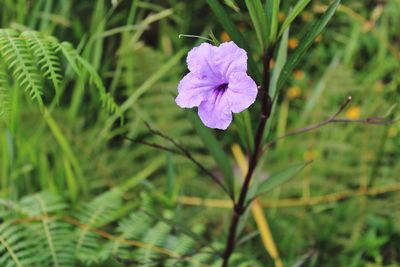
x=219, y=86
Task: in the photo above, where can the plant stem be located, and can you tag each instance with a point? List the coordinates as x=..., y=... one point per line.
x=240, y=207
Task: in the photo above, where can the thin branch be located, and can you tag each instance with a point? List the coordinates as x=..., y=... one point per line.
x=153, y=145
x=342, y=107
x=370, y=120
x=239, y=206
x=171, y=140
x=183, y=152
x=377, y=120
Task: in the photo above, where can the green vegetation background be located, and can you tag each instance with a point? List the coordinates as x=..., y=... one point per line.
x=75, y=193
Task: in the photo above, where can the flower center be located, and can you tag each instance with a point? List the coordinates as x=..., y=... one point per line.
x=218, y=92
x=222, y=87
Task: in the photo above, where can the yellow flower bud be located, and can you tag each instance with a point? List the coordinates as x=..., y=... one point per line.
x=294, y=92
x=353, y=112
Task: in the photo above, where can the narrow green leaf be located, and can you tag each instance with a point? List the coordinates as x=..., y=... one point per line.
x=237, y=37
x=245, y=129
x=306, y=42
x=272, y=10
x=301, y=4
x=319, y=88
x=232, y=4
x=259, y=20
x=215, y=150
x=276, y=71
x=65, y=147
x=279, y=178
x=249, y=129
x=280, y=63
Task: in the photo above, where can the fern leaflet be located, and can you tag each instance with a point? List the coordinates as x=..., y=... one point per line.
x=44, y=51
x=18, y=58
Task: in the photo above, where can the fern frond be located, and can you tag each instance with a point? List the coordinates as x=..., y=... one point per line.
x=156, y=237
x=106, y=99
x=80, y=66
x=109, y=103
x=31, y=56
x=44, y=49
x=131, y=228
x=54, y=237
x=71, y=55
x=18, y=59
x=98, y=212
x=5, y=96
x=16, y=248
x=43, y=203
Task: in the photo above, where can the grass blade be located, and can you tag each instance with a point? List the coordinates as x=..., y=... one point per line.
x=280, y=62
x=279, y=178
x=306, y=43
x=272, y=10
x=65, y=148
x=259, y=20
x=301, y=4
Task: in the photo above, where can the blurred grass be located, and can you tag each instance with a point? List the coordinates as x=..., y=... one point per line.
x=335, y=213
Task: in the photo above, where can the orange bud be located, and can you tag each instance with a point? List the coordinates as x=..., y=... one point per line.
x=293, y=43
x=298, y=74
x=225, y=37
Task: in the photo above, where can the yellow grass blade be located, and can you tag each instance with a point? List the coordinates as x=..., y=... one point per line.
x=257, y=211
x=295, y=202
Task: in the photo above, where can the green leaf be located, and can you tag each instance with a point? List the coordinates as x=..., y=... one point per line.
x=65, y=146
x=231, y=29
x=44, y=50
x=106, y=98
x=259, y=20
x=232, y=4
x=245, y=129
x=306, y=42
x=301, y=4
x=215, y=150
x=279, y=178
x=272, y=10
x=5, y=94
x=276, y=71
x=281, y=59
x=19, y=60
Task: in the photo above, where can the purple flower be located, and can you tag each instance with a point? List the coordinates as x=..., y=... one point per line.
x=217, y=83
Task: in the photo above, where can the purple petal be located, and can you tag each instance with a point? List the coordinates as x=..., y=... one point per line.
x=214, y=112
x=200, y=61
x=230, y=58
x=241, y=92
x=192, y=90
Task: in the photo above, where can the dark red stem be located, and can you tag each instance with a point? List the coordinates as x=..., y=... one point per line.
x=240, y=205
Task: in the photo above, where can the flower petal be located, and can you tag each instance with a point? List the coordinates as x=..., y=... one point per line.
x=241, y=92
x=192, y=90
x=230, y=58
x=200, y=61
x=214, y=112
